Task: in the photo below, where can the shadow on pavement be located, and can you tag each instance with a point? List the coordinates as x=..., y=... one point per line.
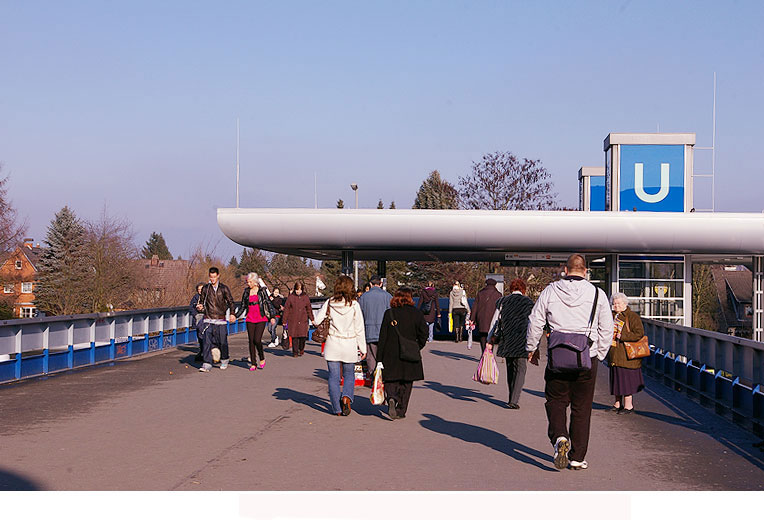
x=460, y=393
x=535, y=393
x=313, y=401
x=14, y=482
x=454, y=355
x=488, y=438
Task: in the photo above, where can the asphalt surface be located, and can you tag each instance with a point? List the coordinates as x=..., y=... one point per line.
x=155, y=423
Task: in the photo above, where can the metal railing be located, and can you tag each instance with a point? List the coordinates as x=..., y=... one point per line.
x=38, y=346
x=720, y=371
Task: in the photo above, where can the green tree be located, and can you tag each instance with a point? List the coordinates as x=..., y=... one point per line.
x=251, y=261
x=501, y=181
x=705, y=301
x=380, y=204
x=340, y=204
x=392, y=205
x=11, y=229
x=156, y=245
x=436, y=193
x=64, y=270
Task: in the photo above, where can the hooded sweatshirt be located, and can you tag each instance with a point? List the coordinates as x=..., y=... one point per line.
x=457, y=299
x=346, y=332
x=567, y=305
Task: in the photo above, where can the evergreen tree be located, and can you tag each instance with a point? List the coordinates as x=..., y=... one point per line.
x=156, y=245
x=380, y=204
x=435, y=193
x=252, y=261
x=64, y=267
x=392, y=205
x=340, y=204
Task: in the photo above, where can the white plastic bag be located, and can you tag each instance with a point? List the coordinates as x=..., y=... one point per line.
x=378, y=387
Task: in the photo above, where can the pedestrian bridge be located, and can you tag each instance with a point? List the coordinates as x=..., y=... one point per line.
x=129, y=411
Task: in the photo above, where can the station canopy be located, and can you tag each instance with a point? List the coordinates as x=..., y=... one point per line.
x=495, y=236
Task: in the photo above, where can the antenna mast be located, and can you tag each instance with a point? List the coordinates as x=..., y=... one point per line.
x=237, y=162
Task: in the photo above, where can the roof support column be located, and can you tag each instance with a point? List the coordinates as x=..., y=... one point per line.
x=758, y=298
x=347, y=263
x=382, y=268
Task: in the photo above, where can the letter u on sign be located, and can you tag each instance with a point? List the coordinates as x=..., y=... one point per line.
x=639, y=184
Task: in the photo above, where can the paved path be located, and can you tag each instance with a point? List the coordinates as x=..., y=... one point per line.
x=155, y=423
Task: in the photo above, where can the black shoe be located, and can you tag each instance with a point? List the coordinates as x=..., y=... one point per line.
x=345, y=405
x=391, y=411
x=625, y=411
x=513, y=406
x=614, y=409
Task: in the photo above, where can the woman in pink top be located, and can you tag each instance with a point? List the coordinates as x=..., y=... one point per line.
x=256, y=304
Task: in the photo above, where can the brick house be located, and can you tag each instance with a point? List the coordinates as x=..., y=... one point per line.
x=18, y=275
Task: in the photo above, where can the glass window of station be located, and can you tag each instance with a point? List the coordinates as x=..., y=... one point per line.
x=654, y=285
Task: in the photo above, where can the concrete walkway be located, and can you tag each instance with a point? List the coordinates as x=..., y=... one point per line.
x=155, y=423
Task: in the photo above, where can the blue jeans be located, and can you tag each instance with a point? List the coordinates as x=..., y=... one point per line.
x=431, y=326
x=348, y=372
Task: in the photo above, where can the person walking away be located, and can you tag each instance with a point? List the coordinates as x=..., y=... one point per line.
x=625, y=374
x=373, y=303
x=214, y=300
x=297, y=317
x=430, y=307
x=401, y=320
x=509, y=329
x=346, y=339
x=459, y=310
x=257, y=307
x=483, y=309
x=197, y=321
x=574, y=306
x=278, y=304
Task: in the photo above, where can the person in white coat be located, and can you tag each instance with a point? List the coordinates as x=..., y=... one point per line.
x=345, y=340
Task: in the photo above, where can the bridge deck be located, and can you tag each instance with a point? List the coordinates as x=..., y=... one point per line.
x=155, y=423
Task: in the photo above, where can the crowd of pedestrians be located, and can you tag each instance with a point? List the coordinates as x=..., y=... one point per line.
x=581, y=329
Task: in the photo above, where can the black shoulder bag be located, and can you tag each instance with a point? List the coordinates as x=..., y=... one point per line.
x=409, y=348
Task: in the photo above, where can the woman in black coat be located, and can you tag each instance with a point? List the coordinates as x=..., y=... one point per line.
x=509, y=328
x=399, y=375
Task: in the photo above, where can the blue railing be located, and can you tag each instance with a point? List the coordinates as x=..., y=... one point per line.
x=38, y=346
x=720, y=371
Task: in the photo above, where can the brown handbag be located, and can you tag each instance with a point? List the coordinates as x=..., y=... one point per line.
x=636, y=349
x=322, y=329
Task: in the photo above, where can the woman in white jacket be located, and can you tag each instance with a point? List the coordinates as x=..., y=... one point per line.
x=346, y=338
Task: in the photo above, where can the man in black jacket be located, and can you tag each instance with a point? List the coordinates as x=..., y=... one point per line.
x=214, y=300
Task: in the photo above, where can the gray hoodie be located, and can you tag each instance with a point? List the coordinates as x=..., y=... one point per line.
x=566, y=305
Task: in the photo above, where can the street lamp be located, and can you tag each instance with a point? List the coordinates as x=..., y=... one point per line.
x=354, y=187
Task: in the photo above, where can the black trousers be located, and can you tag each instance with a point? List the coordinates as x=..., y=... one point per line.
x=577, y=391
x=255, y=336
x=516, y=369
x=459, y=316
x=483, y=338
x=214, y=336
x=401, y=392
x=298, y=346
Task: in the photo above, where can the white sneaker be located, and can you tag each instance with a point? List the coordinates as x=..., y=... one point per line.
x=205, y=367
x=579, y=465
x=271, y=345
x=224, y=364
x=561, y=449
x=215, y=355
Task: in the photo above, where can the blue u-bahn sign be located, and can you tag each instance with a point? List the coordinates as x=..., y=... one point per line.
x=652, y=178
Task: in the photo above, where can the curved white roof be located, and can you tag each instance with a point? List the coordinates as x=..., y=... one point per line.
x=488, y=235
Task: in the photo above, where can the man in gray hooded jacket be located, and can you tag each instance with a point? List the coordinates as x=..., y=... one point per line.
x=566, y=305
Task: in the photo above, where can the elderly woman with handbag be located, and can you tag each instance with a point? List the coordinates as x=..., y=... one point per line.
x=345, y=337
x=403, y=334
x=628, y=343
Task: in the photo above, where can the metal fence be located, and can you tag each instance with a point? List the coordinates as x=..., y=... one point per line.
x=720, y=371
x=38, y=346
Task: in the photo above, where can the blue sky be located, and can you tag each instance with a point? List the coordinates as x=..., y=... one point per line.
x=134, y=104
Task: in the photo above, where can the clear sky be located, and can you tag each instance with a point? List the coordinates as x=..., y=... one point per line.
x=133, y=104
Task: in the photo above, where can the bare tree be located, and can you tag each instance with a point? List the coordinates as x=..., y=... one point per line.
x=501, y=181
x=112, y=254
x=11, y=228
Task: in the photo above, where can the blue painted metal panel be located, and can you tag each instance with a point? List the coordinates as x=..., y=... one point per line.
x=121, y=350
x=58, y=361
x=7, y=371
x=597, y=193
x=82, y=357
x=652, y=178
x=32, y=366
x=102, y=353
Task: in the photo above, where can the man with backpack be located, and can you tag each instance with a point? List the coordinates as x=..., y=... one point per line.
x=581, y=327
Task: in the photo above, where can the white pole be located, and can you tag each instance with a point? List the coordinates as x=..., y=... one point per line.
x=355, y=263
x=713, y=154
x=237, y=162
x=315, y=190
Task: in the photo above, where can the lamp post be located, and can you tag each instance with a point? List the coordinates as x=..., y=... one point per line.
x=354, y=187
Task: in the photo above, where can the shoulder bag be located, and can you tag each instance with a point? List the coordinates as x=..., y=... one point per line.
x=322, y=329
x=409, y=348
x=569, y=351
x=636, y=349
